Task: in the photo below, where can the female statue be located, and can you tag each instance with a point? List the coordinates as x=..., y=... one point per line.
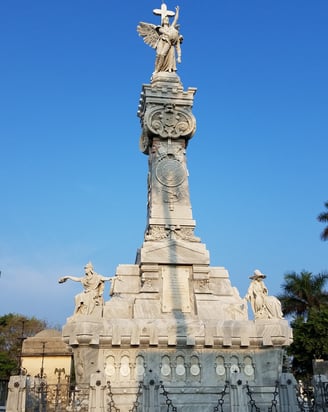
x=165, y=39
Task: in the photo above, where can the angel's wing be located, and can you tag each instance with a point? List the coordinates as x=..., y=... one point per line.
x=149, y=33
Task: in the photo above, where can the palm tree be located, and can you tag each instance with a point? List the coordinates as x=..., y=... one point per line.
x=323, y=217
x=303, y=292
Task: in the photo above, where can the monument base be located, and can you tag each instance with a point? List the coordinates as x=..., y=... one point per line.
x=191, y=348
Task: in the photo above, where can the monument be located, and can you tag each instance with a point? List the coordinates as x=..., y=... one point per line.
x=175, y=334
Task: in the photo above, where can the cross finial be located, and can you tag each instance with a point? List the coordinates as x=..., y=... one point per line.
x=163, y=12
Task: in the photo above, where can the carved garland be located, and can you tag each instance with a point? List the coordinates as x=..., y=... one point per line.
x=160, y=232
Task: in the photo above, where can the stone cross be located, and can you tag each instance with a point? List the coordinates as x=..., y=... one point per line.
x=163, y=12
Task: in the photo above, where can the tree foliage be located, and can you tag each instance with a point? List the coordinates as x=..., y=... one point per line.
x=310, y=341
x=323, y=218
x=14, y=329
x=303, y=292
x=304, y=297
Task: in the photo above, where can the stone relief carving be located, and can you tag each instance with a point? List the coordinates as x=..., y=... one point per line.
x=187, y=233
x=110, y=367
x=160, y=232
x=92, y=296
x=263, y=305
x=167, y=180
x=180, y=368
x=146, y=284
x=170, y=172
x=165, y=39
x=97, y=397
x=195, y=368
x=165, y=366
x=220, y=367
x=248, y=367
x=169, y=121
x=125, y=367
x=139, y=368
x=169, y=184
x=203, y=286
x=144, y=143
x=79, y=365
x=163, y=149
x=170, y=196
x=156, y=232
x=159, y=149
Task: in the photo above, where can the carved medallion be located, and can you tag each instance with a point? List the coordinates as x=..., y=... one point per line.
x=194, y=370
x=170, y=172
x=140, y=370
x=249, y=370
x=220, y=370
x=165, y=370
x=125, y=370
x=180, y=370
x=110, y=370
x=234, y=369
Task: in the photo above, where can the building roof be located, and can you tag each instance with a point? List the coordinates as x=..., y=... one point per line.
x=48, y=342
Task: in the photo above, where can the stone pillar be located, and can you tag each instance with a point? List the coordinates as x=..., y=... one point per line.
x=238, y=395
x=287, y=393
x=16, y=399
x=97, y=398
x=150, y=400
x=167, y=125
x=320, y=384
x=167, y=122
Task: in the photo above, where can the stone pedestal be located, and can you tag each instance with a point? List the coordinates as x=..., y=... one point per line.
x=182, y=326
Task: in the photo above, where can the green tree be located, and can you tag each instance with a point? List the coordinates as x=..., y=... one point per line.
x=305, y=299
x=14, y=329
x=303, y=292
x=323, y=218
x=310, y=342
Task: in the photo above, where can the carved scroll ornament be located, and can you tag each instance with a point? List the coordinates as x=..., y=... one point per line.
x=169, y=122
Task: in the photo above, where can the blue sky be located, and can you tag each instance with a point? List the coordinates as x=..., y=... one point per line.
x=73, y=182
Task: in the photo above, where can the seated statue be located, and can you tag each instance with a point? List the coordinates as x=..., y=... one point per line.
x=263, y=305
x=92, y=296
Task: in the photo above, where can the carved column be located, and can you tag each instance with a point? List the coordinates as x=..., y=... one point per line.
x=167, y=125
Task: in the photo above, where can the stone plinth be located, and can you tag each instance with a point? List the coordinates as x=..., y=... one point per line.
x=192, y=342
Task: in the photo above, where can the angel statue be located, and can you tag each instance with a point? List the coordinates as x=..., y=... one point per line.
x=166, y=39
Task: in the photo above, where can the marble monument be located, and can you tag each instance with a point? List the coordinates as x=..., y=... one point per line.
x=175, y=333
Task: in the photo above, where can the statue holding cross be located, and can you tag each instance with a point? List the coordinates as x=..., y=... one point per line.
x=165, y=39
x=163, y=12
